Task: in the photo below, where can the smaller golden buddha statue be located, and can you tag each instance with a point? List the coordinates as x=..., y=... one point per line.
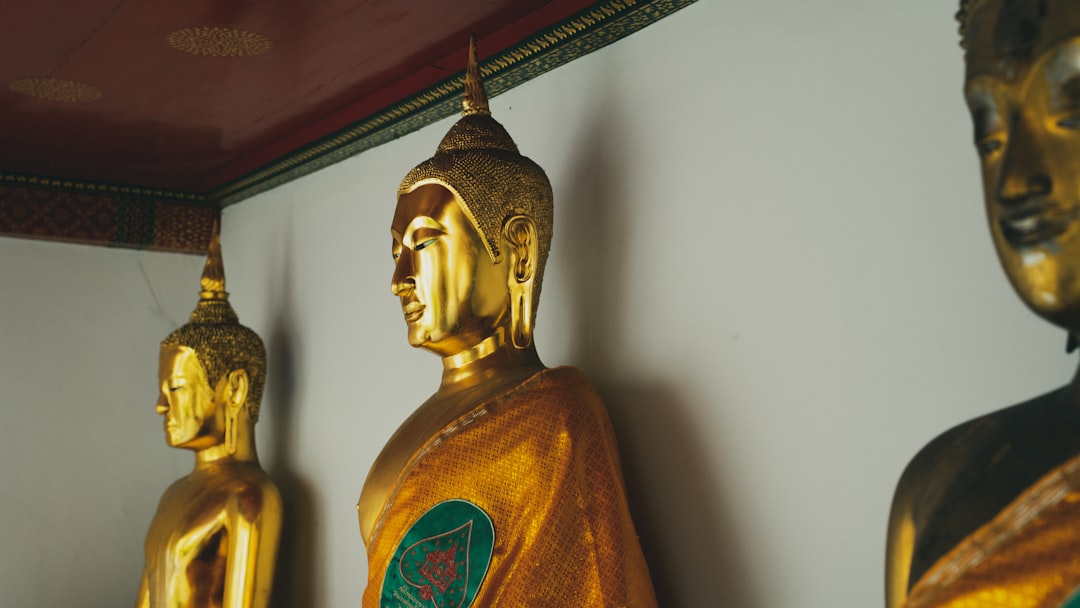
x=214, y=538
x=504, y=488
x=988, y=513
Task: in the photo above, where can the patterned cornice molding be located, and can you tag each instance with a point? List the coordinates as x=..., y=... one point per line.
x=113, y=215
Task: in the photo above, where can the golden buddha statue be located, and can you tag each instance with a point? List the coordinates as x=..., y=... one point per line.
x=504, y=488
x=988, y=513
x=214, y=538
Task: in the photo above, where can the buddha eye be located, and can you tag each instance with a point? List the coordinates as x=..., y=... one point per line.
x=1070, y=122
x=173, y=389
x=423, y=244
x=988, y=147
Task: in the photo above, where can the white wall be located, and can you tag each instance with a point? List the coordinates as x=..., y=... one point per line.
x=83, y=453
x=770, y=256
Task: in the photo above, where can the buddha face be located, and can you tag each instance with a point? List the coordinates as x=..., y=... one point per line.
x=186, y=400
x=452, y=294
x=1023, y=89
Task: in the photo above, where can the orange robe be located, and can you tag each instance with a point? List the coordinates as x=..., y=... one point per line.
x=1028, y=556
x=541, y=462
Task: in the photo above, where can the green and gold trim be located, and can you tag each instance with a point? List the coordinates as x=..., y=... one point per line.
x=585, y=32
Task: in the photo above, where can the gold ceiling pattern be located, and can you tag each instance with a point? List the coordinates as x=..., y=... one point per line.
x=54, y=89
x=219, y=42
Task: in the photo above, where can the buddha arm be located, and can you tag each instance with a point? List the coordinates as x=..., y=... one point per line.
x=142, y=600
x=254, y=526
x=898, y=550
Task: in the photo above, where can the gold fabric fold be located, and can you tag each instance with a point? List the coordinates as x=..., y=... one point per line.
x=1028, y=556
x=542, y=462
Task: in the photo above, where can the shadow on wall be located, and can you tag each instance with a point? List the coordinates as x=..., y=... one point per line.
x=686, y=532
x=294, y=576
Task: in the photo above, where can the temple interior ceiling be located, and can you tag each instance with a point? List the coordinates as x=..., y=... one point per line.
x=133, y=122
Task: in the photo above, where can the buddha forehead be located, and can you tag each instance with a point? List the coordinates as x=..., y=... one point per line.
x=178, y=361
x=428, y=201
x=1003, y=36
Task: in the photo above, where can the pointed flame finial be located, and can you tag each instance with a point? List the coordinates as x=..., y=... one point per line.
x=475, y=101
x=213, y=276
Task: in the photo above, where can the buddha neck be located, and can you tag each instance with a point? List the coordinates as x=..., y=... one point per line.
x=219, y=454
x=490, y=358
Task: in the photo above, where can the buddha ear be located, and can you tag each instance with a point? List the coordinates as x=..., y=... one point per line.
x=522, y=256
x=236, y=389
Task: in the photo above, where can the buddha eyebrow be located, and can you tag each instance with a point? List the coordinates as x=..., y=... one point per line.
x=419, y=222
x=981, y=103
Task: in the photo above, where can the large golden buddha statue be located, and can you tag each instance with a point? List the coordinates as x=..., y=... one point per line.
x=988, y=514
x=214, y=538
x=504, y=488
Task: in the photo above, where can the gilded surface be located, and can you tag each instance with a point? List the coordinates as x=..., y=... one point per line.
x=1027, y=557
x=55, y=89
x=214, y=537
x=530, y=447
x=986, y=515
x=541, y=461
x=219, y=42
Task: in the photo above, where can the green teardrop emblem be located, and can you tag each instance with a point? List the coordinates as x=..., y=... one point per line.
x=442, y=560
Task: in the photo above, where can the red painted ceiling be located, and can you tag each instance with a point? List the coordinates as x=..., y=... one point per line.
x=155, y=114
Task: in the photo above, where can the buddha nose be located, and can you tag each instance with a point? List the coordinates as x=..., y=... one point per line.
x=161, y=406
x=403, y=281
x=1025, y=172
x=402, y=287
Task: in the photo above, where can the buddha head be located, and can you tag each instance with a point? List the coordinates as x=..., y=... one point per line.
x=471, y=235
x=1022, y=86
x=211, y=370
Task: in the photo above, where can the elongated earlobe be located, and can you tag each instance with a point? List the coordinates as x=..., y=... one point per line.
x=235, y=397
x=519, y=236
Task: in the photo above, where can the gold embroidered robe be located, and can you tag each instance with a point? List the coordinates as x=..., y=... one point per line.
x=1028, y=556
x=542, y=463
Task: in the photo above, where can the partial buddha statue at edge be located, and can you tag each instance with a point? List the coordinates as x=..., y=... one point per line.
x=504, y=488
x=988, y=513
x=213, y=540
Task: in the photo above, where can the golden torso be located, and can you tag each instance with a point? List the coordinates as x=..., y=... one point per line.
x=466, y=382
x=966, y=476
x=187, y=544
x=539, y=461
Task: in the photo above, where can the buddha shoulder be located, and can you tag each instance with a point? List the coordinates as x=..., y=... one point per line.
x=979, y=445
x=250, y=490
x=244, y=487
x=975, y=445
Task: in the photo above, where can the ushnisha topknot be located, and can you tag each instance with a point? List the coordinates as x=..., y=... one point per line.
x=480, y=164
x=214, y=332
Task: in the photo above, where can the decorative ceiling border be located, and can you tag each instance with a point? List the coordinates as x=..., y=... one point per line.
x=113, y=215
x=82, y=185
x=121, y=215
x=587, y=31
